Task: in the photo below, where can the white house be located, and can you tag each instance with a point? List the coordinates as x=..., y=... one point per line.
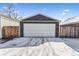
x=7, y=21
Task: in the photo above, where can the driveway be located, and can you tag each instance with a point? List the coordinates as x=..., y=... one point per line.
x=40, y=47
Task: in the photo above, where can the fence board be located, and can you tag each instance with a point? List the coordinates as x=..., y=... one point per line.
x=69, y=31
x=10, y=32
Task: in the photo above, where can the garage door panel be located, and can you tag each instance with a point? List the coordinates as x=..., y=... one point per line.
x=39, y=30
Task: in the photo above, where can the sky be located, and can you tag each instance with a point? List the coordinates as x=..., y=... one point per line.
x=60, y=11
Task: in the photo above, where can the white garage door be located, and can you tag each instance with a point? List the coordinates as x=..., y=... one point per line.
x=45, y=30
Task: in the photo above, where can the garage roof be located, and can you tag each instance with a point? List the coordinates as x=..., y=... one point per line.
x=40, y=18
x=72, y=20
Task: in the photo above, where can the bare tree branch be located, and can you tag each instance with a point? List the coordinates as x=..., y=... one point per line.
x=11, y=12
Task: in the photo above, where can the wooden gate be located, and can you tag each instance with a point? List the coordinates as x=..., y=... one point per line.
x=9, y=32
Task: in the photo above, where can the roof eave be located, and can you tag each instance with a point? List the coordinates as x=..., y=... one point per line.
x=43, y=15
x=40, y=21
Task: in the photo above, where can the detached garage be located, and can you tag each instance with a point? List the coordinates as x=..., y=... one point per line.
x=39, y=26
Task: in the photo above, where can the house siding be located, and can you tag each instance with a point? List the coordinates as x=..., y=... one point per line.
x=0, y=29
x=8, y=22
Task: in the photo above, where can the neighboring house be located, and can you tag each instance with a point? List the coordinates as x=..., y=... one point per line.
x=7, y=22
x=39, y=26
x=70, y=28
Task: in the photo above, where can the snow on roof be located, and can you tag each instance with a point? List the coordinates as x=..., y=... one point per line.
x=71, y=20
x=1, y=15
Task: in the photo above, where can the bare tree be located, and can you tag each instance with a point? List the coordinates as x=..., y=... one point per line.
x=11, y=12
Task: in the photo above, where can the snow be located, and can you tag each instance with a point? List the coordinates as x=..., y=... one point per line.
x=14, y=43
x=2, y=41
x=40, y=47
x=71, y=20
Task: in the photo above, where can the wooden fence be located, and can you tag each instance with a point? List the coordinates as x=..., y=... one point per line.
x=9, y=32
x=69, y=31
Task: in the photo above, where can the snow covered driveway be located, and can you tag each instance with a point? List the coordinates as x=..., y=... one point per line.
x=40, y=47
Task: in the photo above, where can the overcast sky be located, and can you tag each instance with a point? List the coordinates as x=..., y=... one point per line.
x=55, y=10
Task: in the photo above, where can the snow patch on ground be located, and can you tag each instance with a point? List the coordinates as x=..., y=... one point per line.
x=2, y=41
x=39, y=47
x=15, y=42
